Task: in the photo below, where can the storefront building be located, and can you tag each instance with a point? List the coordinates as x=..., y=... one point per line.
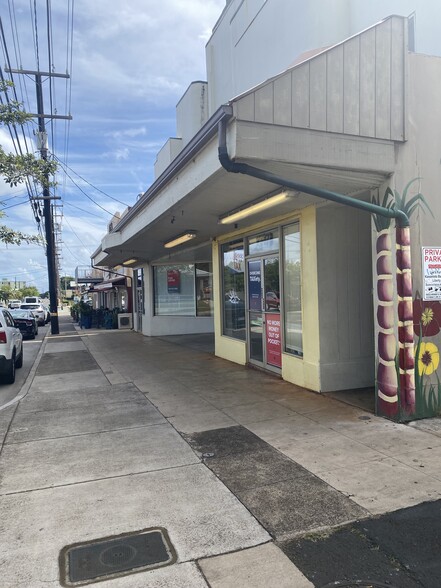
x=272, y=225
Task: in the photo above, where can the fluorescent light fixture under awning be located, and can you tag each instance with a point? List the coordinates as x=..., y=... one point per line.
x=254, y=207
x=187, y=236
x=129, y=261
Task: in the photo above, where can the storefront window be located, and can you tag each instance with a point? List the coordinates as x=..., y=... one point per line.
x=138, y=282
x=233, y=266
x=292, y=289
x=175, y=290
x=204, y=289
x=184, y=289
x=264, y=243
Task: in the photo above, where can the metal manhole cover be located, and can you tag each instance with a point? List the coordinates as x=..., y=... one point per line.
x=110, y=557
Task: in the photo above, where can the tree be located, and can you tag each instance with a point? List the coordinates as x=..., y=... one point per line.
x=29, y=291
x=5, y=293
x=65, y=282
x=15, y=169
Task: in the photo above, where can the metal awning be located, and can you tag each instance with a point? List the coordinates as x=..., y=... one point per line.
x=109, y=284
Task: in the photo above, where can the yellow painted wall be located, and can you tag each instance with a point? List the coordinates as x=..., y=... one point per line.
x=306, y=371
x=225, y=347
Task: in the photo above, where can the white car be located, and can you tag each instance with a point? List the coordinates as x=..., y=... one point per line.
x=14, y=303
x=11, y=347
x=37, y=310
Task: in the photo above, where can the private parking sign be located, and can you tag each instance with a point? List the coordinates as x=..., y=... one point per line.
x=431, y=273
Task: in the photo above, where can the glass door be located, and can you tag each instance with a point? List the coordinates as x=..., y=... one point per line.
x=139, y=300
x=264, y=333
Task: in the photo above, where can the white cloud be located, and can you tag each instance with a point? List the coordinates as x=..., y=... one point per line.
x=118, y=154
x=132, y=61
x=127, y=133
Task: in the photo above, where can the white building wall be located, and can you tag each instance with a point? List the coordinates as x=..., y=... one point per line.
x=346, y=315
x=157, y=326
x=166, y=155
x=256, y=39
x=419, y=158
x=191, y=111
x=356, y=87
x=427, y=12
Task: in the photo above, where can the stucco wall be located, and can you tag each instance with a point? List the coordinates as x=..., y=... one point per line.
x=242, y=51
x=154, y=326
x=420, y=157
x=305, y=371
x=345, y=298
x=192, y=111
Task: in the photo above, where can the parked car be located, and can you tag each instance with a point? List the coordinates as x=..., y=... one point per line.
x=272, y=300
x=14, y=303
x=48, y=313
x=26, y=321
x=11, y=347
x=32, y=300
x=37, y=310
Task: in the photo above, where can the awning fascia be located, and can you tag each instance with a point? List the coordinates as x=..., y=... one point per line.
x=204, y=135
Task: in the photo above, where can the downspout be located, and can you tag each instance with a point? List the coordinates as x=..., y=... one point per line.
x=404, y=275
x=243, y=168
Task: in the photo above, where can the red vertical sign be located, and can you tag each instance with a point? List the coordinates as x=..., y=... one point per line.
x=273, y=342
x=173, y=281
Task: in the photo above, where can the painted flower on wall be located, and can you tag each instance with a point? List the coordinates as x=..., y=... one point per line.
x=426, y=317
x=428, y=358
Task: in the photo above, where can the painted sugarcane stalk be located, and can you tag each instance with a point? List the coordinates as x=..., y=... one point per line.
x=387, y=380
x=405, y=320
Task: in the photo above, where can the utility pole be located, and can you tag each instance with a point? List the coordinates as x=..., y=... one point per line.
x=47, y=210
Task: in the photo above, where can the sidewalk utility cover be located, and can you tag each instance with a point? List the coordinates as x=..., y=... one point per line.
x=111, y=557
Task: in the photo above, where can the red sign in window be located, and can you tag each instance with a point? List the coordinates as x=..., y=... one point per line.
x=273, y=343
x=173, y=281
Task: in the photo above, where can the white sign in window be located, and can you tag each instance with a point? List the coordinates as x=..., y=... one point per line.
x=432, y=273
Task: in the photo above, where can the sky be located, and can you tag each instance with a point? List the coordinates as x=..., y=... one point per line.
x=129, y=64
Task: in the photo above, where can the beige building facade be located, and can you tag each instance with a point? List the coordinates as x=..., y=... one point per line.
x=293, y=224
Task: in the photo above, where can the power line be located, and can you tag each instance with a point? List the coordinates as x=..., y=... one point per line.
x=37, y=51
x=87, y=195
x=82, y=209
x=42, y=35
x=13, y=131
x=14, y=205
x=3, y=200
x=64, y=165
x=69, y=67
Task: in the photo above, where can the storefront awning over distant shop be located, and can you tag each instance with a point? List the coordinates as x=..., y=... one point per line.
x=110, y=284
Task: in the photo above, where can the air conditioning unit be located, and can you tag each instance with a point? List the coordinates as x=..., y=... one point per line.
x=125, y=321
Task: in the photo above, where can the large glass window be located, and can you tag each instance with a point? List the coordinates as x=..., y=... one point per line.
x=184, y=289
x=204, y=289
x=233, y=266
x=292, y=289
x=138, y=281
x=174, y=290
x=264, y=242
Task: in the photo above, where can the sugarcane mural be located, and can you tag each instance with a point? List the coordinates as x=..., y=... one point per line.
x=395, y=383
x=427, y=324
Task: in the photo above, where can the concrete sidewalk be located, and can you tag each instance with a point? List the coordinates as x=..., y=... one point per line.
x=120, y=433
